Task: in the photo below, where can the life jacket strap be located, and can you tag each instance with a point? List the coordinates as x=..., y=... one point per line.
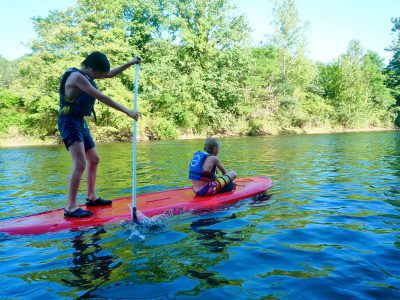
x=201, y=174
x=94, y=115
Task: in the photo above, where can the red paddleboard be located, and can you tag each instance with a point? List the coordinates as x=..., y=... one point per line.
x=172, y=202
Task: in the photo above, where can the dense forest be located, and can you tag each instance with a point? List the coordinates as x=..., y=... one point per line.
x=201, y=74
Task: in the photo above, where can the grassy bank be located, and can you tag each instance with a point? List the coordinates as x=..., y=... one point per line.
x=24, y=140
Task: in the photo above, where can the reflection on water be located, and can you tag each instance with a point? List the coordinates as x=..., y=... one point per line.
x=329, y=231
x=90, y=264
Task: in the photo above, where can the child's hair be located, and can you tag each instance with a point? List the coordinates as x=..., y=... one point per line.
x=210, y=143
x=98, y=61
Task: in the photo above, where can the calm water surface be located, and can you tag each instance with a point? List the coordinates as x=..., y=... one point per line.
x=330, y=230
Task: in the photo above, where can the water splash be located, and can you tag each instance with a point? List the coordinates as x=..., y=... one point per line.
x=147, y=226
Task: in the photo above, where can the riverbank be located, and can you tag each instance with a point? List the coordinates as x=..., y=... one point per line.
x=24, y=141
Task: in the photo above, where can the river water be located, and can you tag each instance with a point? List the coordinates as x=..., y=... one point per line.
x=330, y=230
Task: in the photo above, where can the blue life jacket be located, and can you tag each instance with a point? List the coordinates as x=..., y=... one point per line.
x=196, y=171
x=82, y=105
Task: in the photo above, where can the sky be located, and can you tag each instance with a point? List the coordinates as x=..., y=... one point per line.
x=332, y=24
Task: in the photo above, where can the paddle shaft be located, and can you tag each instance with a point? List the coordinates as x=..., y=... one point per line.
x=134, y=152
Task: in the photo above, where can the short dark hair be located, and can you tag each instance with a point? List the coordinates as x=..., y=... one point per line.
x=98, y=61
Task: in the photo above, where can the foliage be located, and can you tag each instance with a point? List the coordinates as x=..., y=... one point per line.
x=199, y=73
x=8, y=70
x=9, y=110
x=393, y=68
x=355, y=87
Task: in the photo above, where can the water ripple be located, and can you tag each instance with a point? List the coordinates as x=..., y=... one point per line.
x=329, y=231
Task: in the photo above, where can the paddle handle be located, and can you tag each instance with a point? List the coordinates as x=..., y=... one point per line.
x=134, y=146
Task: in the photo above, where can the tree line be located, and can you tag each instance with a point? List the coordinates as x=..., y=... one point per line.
x=200, y=74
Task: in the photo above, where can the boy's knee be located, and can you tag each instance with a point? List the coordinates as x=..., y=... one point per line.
x=95, y=160
x=232, y=175
x=80, y=165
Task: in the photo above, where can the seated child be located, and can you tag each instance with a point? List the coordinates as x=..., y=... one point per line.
x=202, y=171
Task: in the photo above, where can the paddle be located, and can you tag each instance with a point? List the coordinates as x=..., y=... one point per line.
x=135, y=109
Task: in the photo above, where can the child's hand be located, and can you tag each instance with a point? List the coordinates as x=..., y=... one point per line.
x=133, y=115
x=136, y=60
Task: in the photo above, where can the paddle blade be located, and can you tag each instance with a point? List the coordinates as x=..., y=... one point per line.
x=134, y=215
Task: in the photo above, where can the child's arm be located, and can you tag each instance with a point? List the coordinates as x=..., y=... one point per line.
x=83, y=84
x=220, y=166
x=121, y=68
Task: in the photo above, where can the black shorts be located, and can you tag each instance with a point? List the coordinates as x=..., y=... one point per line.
x=74, y=129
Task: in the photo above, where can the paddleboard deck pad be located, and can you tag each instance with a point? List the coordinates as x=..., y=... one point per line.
x=170, y=202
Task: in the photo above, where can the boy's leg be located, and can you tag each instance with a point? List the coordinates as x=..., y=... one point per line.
x=228, y=188
x=77, y=152
x=231, y=186
x=91, y=173
x=225, y=183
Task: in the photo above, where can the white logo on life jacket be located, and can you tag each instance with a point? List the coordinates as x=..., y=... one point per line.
x=195, y=160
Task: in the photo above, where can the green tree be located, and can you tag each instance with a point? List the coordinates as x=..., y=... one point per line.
x=66, y=37
x=355, y=87
x=193, y=75
x=351, y=103
x=289, y=34
x=297, y=72
x=199, y=75
x=262, y=103
x=212, y=60
x=380, y=96
x=393, y=68
x=8, y=71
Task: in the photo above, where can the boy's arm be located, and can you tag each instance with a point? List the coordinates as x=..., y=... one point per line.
x=220, y=166
x=121, y=68
x=83, y=84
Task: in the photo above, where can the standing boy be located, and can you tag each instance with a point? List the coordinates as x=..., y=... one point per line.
x=78, y=93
